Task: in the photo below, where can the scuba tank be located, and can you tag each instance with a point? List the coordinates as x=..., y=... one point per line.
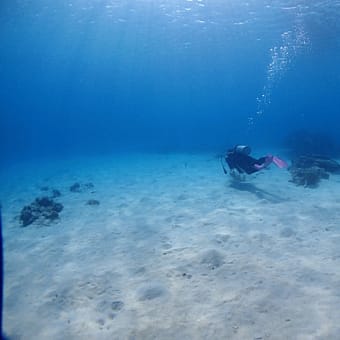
x=242, y=149
x=237, y=149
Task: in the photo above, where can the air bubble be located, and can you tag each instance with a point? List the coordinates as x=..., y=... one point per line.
x=281, y=57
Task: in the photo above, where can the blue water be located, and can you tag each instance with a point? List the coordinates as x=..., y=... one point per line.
x=82, y=77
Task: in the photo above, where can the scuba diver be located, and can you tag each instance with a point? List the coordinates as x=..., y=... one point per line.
x=238, y=159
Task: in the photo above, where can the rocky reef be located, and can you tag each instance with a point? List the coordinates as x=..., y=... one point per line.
x=92, y=202
x=79, y=187
x=308, y=170
x=308, y=177
x=43, y=210
x=322, y=162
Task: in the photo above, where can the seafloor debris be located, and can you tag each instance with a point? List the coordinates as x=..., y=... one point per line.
x=92, y=202
x=42, y=209
x=77, y=187
x=55, y=193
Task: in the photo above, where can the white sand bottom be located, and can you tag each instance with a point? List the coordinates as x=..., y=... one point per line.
x=174, y=250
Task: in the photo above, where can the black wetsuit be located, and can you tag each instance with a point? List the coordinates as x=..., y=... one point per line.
x=242, y=162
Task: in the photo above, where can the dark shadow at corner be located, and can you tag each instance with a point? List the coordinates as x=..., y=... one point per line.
x=259, y=193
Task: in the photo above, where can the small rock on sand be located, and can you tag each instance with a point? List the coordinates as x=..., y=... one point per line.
x=151, y=291
x=212, y=258
x=92, y=202
x=287, y=232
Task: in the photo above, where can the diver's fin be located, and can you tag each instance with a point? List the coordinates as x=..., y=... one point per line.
x=280, y=163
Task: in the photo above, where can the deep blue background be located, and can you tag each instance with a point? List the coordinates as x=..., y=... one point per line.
x=100, y=76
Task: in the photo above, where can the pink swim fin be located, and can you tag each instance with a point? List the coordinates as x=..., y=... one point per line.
x=268, y=160
x=279, y=162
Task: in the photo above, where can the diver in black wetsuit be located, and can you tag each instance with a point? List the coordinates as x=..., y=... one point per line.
x=238, y=159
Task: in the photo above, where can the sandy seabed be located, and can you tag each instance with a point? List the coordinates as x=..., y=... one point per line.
x=174, y=250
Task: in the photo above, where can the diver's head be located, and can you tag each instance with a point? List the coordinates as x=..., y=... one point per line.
x=243, y=149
